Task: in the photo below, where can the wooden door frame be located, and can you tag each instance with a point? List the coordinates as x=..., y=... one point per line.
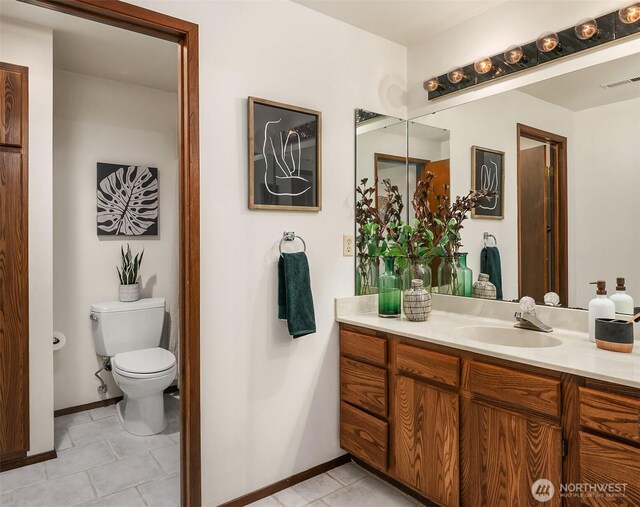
x=561, y=236
x=184, y=33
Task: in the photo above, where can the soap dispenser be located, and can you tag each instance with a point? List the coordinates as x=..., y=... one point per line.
x=600, y=307
x=622, y=301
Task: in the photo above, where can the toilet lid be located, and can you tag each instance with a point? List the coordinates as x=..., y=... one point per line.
x=144, y=361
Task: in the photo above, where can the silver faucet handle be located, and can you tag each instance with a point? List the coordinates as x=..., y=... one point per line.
x=528, y=305
x=551, y=299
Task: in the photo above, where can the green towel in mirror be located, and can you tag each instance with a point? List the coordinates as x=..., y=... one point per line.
x=295, y=301
x=490, y=265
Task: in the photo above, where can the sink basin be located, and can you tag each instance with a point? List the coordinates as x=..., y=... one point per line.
x=507, y=336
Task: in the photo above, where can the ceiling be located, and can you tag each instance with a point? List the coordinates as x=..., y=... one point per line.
x=582, y=89
x=95, y=49
x=406, y=22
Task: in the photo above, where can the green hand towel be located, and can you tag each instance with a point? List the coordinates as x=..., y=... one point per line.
x=295, y=301
x=490, y=265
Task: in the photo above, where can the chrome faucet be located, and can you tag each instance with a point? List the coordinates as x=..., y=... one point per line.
x=527, y=318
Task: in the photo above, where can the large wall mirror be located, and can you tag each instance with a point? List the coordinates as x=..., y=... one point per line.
x=563, y=155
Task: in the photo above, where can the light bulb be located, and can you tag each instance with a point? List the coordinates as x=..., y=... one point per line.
x=513, y=54
x=630, y=14
x=431, y=85
x=455, y=75
x=483, y=65
x=547, y=42
x=586, y=29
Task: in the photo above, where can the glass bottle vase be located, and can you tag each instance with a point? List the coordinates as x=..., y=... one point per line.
x=466, y=276
x=449, y=281
x=417, y=270
x=367, y=274
x=389, y=290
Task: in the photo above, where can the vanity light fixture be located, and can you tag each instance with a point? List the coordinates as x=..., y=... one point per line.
x=514, y=54
x=586, y=29
x=630, y=14
x=456, y=75
x=483, y=65
x=431, y=85
x=548, y=42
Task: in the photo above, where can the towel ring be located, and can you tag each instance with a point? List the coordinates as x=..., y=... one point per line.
x=291, y=236
x=487, y=237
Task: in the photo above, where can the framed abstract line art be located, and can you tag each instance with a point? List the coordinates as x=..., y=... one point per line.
x=285, y=152
x=127, y=197
x=487, y=171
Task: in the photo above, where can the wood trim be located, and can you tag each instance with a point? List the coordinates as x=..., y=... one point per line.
x=377, y=157
x=138, y=19
x=11, y=462
x=561, y=236
x=86, y=406
x=259, y=494
x=279, y=207
x=17, y=397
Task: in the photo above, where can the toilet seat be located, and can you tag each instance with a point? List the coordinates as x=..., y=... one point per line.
x=144, y=363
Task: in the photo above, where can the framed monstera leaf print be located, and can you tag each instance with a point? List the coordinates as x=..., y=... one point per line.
x=127, y=200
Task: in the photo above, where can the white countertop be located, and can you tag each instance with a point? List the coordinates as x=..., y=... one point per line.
x=576, y=354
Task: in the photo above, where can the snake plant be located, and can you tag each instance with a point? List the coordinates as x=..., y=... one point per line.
x=128, y=273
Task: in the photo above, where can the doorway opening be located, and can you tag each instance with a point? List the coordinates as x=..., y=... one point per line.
x=185, y=35
x=542, y=214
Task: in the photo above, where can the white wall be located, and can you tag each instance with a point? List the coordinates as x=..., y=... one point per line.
x=491, y=123
x=605, y=188
x=98, y=120
x=270, y=404
x=32, y=46
x=491, y=33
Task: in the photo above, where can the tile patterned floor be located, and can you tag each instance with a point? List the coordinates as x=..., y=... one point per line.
x=100, y=464
x=345, y=486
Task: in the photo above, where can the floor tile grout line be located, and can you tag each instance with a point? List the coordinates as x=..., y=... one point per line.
x=93, y=486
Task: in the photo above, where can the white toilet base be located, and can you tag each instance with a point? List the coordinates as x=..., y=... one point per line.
x=142, y=416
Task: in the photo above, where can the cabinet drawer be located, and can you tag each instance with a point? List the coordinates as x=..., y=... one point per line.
x=527, y=390
x=363, y=385
x=604, y=462
x=427, y=364
x=610, y=413
x=364, y=436
x=365, y=347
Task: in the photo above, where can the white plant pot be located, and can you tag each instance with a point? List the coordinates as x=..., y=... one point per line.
x=130, y=292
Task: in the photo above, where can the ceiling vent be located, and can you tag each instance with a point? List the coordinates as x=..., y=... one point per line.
x=616, y=84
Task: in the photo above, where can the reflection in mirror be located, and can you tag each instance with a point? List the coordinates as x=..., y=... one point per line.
x=376, y=134
x=571, y=178
x=381, y=149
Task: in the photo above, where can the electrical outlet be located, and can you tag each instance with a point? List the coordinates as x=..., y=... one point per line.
x=347, y=245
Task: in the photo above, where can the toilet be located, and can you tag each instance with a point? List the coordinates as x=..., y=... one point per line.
x=129, y=334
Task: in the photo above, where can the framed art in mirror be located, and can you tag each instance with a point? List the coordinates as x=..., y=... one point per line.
x=487, y=172
x=285, y=170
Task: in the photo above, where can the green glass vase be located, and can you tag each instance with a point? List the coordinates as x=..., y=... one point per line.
x=389, y=290
x=466, y=276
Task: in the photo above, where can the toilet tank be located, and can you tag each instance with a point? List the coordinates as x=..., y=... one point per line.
x=122, y=327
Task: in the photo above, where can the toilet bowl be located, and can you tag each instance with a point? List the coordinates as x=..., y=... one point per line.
x=143, y=375
x=130, y=334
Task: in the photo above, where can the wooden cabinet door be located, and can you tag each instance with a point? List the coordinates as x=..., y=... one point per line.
x=14, y=296
x=426, y=439
x=503, y=454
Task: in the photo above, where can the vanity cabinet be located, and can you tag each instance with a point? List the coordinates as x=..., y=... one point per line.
x=364, y=428
x=461, y=428
x=610, y=445
x=510, y=434
x=425, y=433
